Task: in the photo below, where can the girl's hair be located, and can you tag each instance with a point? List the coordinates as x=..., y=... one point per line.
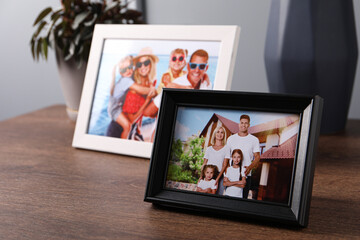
x=180, y=51
x=241, y=159
x=214, y=133
x=152, y=73
x=127, y=58
x=214, y=168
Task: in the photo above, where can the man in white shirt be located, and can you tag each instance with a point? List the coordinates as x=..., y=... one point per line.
x=250, y=147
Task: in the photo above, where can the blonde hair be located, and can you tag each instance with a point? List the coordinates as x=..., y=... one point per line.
x=214, y=134
x=152, y=73
x=180, y=50
x=127, y=58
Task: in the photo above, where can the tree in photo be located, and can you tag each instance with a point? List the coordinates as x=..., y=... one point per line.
x=186, y=160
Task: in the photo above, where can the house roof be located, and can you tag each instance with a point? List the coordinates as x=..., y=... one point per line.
x=231, y=125
x=285, y=150
x=273, y=125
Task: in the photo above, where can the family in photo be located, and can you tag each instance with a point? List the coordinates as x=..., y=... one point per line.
x=236, y=153
x=228, y=162
x=134, y=92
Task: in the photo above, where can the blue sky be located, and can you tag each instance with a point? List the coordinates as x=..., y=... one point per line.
x=191, y=120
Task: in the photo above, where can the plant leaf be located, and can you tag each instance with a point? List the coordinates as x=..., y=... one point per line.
x=77, y=38
x=56, y=13
x=54, y=20
x=45, y=48
x=43, y=14
x=92, y=21
x=32, y=42
x=41, y=26
x=79, y=19
x=38, y=48
x=111, y=6
x=71, y=51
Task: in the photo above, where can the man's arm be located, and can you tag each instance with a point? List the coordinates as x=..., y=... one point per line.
x=175, y=85
x=254, y=163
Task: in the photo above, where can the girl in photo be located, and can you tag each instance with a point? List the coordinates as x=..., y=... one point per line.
x=234, y=176
x=206, y=183
x=177, y=63
x=218, y=154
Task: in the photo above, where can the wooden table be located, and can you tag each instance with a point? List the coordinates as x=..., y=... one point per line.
x=49, y=190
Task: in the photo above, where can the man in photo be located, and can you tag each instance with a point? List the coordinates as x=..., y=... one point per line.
x=250, y=147
x=196, y=78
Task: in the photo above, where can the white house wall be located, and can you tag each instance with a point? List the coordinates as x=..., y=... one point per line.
x=288, y=132
x=271, y=140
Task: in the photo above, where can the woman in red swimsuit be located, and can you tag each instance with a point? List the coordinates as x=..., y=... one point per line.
x=144, y=75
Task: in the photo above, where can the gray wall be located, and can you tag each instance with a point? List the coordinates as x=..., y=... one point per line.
x=26, y=86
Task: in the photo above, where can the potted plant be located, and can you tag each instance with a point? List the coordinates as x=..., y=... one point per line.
x=69, y=31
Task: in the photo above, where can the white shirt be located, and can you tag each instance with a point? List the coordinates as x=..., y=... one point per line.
x=205, y=86
x=180, y=80
x=248, y=145
x=217, y=157
x=207, y=184
x=233, y=174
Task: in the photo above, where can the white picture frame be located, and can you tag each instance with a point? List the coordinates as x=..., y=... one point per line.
x=112, y=41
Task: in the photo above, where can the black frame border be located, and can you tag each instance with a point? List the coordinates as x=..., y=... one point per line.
x=296, y=212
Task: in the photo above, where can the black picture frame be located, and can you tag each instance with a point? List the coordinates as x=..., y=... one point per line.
x=296, y=212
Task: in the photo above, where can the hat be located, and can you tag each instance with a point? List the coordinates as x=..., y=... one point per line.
x=146, y=51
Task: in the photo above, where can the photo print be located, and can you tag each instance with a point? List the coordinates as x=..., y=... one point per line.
x=233, y=153
x=131, y=76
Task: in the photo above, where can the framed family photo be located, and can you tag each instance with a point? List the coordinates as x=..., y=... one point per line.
x=130, y=65
x=248, y=155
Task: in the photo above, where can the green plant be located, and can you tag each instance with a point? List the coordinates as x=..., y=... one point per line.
x=71, y=27
x=187, y=160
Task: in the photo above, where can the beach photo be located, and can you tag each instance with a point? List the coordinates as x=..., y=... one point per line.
x=131, y=76
x=129, y=67
x=234, y=153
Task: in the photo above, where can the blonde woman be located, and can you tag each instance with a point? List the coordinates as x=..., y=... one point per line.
x=144, y=75
x=218, y=154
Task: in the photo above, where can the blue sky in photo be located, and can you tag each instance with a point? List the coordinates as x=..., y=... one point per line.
x=192, y=120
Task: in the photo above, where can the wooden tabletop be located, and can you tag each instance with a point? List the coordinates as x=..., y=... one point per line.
x=49, y=190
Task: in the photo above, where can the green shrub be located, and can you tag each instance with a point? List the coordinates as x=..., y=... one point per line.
x=186, y=160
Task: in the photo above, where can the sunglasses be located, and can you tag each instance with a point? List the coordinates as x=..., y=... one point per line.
x=146, y=63
x=201, y=66
x=123, y=70
x=180, y=59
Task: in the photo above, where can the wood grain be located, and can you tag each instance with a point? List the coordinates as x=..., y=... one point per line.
x=49, y=190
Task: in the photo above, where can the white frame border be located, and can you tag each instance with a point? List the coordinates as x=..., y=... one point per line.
x=227, y=36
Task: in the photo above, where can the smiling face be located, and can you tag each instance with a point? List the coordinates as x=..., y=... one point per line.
x=209, y=173
x=244, y=125
x=219, y=135
x=195, y=74
x=177, y=61
x=125, y=68
x=143, y=70
x=236, y=157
